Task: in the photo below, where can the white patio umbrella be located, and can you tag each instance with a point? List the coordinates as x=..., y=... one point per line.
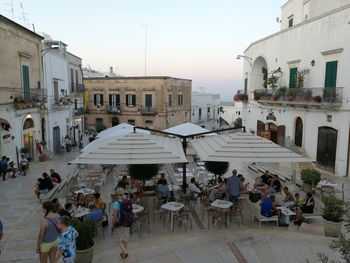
x=117, y=130
x=133, y=148
x=243, y=147
x=186, y=129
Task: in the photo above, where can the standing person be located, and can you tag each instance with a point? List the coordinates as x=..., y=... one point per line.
x=48, y=238
x=122, y=221
x=3, y=167
x=67, y=143
x=234, y=186
x=23, y=165
x=55, y=177
x=67, y=245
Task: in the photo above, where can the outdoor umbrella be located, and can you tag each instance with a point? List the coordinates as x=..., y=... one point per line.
x=133, y=148
x=186, y=129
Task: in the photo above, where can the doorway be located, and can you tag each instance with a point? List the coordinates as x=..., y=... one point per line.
x=56, y=139
x=327, y=148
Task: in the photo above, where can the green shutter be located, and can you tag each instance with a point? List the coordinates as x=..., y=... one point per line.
x=26, y=83
x=293, y=72
x=331, y=74
x=148, y=100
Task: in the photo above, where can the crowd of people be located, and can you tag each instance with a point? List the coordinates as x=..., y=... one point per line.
x=46, y=182
x=8, y=169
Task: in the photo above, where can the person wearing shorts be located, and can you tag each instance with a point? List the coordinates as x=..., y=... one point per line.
x=67, y=245
x=48, y=238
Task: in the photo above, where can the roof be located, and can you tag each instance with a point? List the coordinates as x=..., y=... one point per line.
x=227, y=103
x=136, y=77
x=13, y=23
x=243, y=147
x=186, y=129
x=133, y=148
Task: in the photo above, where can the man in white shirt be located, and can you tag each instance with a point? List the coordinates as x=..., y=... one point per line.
x=193, y=188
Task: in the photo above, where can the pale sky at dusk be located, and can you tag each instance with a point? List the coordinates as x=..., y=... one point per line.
x=193, y=39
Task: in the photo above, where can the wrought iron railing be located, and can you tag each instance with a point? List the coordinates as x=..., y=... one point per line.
x=114, y=108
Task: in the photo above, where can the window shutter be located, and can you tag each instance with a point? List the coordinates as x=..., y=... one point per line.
x=117, y=99
x=95, y=99
x=134, y=100
x=331, y=74
x=110, y=99
x=126, y=100
x=101, y=100
x=293, y=78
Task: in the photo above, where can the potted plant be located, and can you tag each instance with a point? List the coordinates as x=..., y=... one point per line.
x=85, y=241
x=310, y=177
x=217, y=168
x=333, y=215
x=143, y=172
x=24, y=151
x=318, y=99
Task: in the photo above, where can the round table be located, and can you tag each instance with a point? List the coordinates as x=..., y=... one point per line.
x=173, y=188
x=85, y=191
x=137, y=208
x=81, y=212
x=173, y=207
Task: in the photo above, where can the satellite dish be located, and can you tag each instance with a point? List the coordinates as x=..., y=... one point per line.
x=278, y=20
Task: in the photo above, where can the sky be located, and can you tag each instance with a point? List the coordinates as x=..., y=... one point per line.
x=191, y=39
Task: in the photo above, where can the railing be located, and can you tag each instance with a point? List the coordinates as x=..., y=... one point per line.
x=114, y=109
x=147, y=110
x=315, y=97
x=36, y=98
x=79, y=111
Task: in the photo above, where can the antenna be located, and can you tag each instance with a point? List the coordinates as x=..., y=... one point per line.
x=12, y=10
x=25, y=21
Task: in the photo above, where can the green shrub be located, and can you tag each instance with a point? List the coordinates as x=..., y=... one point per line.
x=310, y=176
x=334, y=209
x=87, y=232
x=217, y=168
x=143, y=172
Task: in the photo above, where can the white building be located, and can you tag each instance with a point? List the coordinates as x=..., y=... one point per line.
x=313, y=114
x=205, y=110
x=91, y=73
x=63, y=81
x=231, y=111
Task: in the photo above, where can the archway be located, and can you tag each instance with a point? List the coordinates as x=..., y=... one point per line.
x=115, y=121
x=28, y=138
x=258, y=74
x=327, y=148
x=298, y=136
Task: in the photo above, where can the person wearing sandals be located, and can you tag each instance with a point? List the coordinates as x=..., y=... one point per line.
x=48, y=238
x=122, y=232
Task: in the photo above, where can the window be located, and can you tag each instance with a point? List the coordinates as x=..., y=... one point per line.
x=76, y=80
x=149, y=124
x=99, y=122
x=131, y=122
x=98, y=100
x=130, y=100
x=148, y=101
x=186, y=114
x=298, y=140
x=208, y=112
x=26, y=82
x=71, y=80
x=180, y=100
x=329, y=118
x=290, y=22
x=75, y=104
x=170, y=100
x=114, y=100
x=293, y=73
x=199, y=113
x=246, y=86
x=115, y=121
x=218, y=111
x=331, y=74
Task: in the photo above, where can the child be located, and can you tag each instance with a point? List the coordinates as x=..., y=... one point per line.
x=67, y=245
x=298, y=200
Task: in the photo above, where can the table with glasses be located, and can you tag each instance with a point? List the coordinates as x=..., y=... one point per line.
x=173, y=207
x=137, y=208
x=223, y=205
x=325, y=182
x=286, y=213
x=81, y=212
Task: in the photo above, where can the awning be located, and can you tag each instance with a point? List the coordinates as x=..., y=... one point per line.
x=243, y=147
x=186, y=129
x=133, y=148
x=5, y=124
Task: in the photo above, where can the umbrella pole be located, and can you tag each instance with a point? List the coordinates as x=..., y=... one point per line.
x=184, y=184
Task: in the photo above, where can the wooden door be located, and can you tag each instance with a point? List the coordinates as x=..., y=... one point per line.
x=327, y=148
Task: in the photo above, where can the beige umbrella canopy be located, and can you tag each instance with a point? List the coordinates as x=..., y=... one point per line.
x=133, y=148
x=243, y=147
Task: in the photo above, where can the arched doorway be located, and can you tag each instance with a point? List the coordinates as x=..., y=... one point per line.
x=29, y=137
x=115, y=121
x=298, y=137
x=258, y=74
x=6, y=147
x=327, y=148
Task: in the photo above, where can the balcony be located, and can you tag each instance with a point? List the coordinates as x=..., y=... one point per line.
x=35, y=99
x=147, y=110
x=114, y=109
x=319, y=98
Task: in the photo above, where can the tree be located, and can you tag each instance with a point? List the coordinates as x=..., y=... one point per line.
x=217, y=168
x=238, y=122
x=143, y=172
x=223, y=121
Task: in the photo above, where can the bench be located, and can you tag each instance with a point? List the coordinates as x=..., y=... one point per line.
x=256, y=213
x=49, y=195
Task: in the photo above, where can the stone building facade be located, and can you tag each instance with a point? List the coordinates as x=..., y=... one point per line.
x=154, y=102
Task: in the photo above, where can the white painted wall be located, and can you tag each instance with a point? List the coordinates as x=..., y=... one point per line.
x=232, y=111
x=204, y=100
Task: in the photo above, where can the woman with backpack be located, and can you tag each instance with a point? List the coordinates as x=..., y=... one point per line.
x=48, y=238
x=122, y=221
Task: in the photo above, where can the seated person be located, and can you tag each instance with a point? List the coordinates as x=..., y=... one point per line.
x=81, y=201
x=123, y=183
x=162, y=178
x=43, y=186
x=95, y=215
x=244, y=186
x=193, y=187
x=11, y=168
x=298, y=200
x=23, y=164
x=98, y=202
x=307, y=208
x=162, y=190
x=67, y=211
x=263, y=180
x=275, y=185
x=55, y=177
x=268, y=206
x=135, y=184
x=290, y=199
x=220, y=190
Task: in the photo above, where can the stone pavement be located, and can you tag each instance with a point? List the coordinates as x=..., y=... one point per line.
x=21, y=213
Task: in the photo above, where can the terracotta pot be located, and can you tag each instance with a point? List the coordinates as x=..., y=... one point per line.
x=307, y=187
x=85, y=256
x=332, y=229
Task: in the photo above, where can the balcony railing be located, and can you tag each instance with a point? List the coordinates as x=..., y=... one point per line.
x=114, y=109
x=305, y=97
x=36, y=98
x=147, y=110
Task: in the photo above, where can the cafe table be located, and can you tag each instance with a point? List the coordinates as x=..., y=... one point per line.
x=81, y=212
x=85, y=191
x=223, y=205
x=173, y=207
x=137, y=208
x=286, y=213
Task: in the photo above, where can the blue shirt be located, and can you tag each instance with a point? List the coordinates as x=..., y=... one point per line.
x=234, y=186
x=163, y=189
x=68, y=244
x=1, y=229
x=266, y=207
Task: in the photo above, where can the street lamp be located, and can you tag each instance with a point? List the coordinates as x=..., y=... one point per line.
x=249, y=59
